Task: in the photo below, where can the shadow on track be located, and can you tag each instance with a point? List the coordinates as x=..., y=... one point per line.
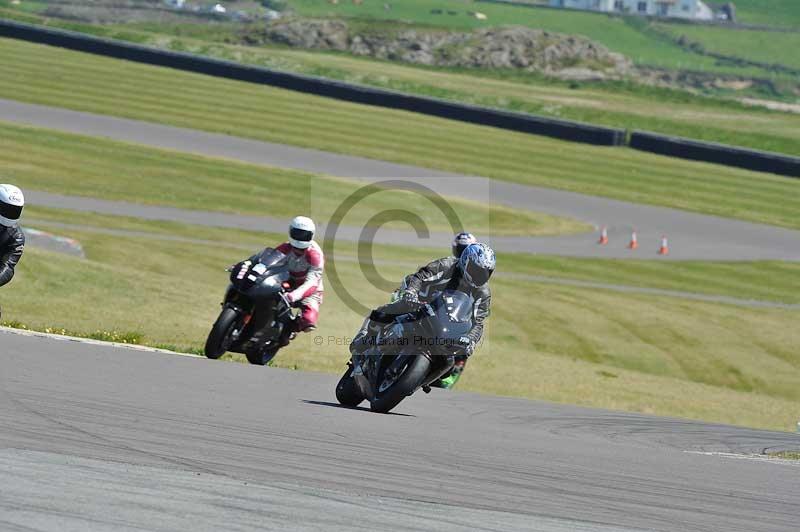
x=361, y=408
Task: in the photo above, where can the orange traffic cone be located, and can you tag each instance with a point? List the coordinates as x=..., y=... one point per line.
x=664, y=249
x=634, y=241
x=603, y=237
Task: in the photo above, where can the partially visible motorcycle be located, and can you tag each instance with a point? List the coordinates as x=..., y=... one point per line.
x=255, y=311
x=414, y=349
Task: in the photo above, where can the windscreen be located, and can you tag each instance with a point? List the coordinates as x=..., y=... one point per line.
x=454, y=306
x=270, y=257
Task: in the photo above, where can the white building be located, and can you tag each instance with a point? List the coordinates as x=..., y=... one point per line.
x=692, y=9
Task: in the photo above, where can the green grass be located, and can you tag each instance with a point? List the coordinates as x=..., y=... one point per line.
x=52, y=76
x=768, y=47
x=620, y=34
x=743, y=280
x=627, y=35
x=619, y=104
x=56, y=162
x=593, y=347
x=786, y=455
x=784, y=13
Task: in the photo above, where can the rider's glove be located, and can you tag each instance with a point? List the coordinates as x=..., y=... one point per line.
x=410, y=296
x=289, y=297
x=467, y=344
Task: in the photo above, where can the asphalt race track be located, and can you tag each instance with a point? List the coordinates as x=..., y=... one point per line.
x=102, y=438
x=692, y=236
x=97, y=437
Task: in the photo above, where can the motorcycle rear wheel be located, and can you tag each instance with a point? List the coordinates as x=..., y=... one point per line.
x=405, y=385
x=347, y=392
x=219, y=339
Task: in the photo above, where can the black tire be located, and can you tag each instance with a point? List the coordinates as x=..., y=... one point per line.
x=408, y=382
x=219, y=338
x=347, y=392
x=260, y=356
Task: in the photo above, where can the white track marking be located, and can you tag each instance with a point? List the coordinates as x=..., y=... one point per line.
x=755, y=457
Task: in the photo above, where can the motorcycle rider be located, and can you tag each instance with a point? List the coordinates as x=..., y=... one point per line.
x=470, y=274
x=460, y=243
x=12, y=240
x=305, y=262
x=306, y=265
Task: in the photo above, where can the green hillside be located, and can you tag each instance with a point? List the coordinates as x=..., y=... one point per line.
x=627, y=35
x=53, y=76
x=784, y=13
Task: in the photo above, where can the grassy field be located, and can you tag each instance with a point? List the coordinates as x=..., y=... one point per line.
x=620, y=104
x=768, y=47
x=743, y=280
x=784, y=13
x=780, y=13
x=620, y=34
x=52, y=76
x=56, y=162
x=587, y=346
x=631, y=36
x=617, y=104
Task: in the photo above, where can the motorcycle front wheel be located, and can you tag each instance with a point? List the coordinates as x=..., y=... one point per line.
x=221, y=336
x=406, y=383
x=347, y=392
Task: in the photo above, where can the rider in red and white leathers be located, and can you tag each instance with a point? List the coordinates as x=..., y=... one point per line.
x=306, y=264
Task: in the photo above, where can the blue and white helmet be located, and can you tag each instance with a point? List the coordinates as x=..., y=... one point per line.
x=461, y=241
x=477, y=264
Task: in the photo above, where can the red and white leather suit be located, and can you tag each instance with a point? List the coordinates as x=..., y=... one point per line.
x=306, y=267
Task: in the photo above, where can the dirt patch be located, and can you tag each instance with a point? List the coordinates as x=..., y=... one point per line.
x=775, y=106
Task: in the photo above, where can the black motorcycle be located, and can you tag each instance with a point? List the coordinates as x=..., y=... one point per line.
x=412, y=351
x=255, y=311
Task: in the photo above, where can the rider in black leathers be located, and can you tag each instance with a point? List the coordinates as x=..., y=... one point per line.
x=12, y=241
x=441, y=274
x=12, y=244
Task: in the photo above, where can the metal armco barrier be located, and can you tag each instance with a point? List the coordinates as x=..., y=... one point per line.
x=761, y=161
x=525, y=123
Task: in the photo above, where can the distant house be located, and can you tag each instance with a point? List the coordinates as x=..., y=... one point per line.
x=689, y=9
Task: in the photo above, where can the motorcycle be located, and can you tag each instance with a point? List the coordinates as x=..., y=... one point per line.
x=414, y=350
x=255, y=311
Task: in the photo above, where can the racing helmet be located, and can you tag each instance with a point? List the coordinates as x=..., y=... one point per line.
x=477, y=264
x=301, y=232
x=11, y=203
x=461, y=241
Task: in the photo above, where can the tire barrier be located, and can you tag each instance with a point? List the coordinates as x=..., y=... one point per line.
x=760, y=161
x=521, y=122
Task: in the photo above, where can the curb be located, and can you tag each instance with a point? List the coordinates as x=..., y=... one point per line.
x=89, y=341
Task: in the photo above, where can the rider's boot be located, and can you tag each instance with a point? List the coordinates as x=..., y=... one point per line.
x=450, y=380
x=288, y=333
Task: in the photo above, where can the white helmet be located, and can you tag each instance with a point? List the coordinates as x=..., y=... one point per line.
x=11, y=203
x=301, y=232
